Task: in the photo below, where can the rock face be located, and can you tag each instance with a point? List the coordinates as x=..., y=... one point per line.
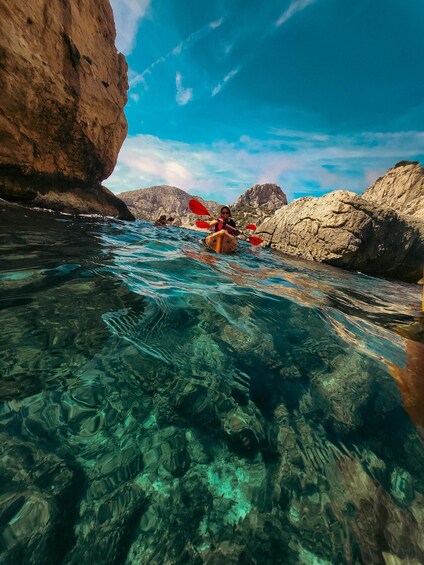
x=255, y=205
x=150, y=203
x=401, y=188
x=64, y=87
x=345, y=230
x=258, y=203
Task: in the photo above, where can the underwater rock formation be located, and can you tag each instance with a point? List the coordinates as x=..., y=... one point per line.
x=64, y=88
x=345, y=230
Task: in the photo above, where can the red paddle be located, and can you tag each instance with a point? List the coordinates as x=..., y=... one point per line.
x=254, y=240
x=202, y=224
x=197, y=208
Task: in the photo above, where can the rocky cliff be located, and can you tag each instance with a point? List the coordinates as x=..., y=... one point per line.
x=64, y=87
x=363, y=233
x=258, y=203
x=401, y=188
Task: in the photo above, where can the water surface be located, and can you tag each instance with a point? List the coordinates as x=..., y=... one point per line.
x=162, y=404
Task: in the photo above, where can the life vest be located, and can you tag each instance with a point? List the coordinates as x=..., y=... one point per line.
x=223, y=225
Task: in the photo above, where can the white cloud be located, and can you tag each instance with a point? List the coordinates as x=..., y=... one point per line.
x=220, y=86
x=177, y=50
x=216, y=23
x=184, y=95
x=134, y=97
x=127, y=14
x=295, y=6
x=299, y=162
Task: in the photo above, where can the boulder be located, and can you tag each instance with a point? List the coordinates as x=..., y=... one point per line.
x=401, y=188
x=64, y=88
x=258, y=203
x=346, y=230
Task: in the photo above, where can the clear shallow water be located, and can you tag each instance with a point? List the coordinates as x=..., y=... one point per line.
x=161, y=404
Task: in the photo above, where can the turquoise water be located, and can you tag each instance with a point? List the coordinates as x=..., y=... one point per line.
x=162, y=404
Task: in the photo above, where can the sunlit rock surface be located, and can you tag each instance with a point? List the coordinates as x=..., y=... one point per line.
x=64, y=88
x=152, y=202
x=401, y=188
x=254, y=205
x=258, y=202
x=345, y=230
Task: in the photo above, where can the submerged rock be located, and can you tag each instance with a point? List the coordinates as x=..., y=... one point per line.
x=64, y=88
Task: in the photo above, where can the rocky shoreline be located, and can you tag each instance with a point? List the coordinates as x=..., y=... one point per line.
x=62, y=135
x=379, y=232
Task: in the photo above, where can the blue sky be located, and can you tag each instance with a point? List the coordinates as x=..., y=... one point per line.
x=314, y=95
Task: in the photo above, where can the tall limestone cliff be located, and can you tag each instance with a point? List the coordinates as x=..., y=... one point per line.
x=63, y=90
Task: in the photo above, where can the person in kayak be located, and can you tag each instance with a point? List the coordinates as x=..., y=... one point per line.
x=163, y=221
x=225, y=222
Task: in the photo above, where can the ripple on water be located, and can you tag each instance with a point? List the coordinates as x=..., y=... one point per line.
x=162, y=404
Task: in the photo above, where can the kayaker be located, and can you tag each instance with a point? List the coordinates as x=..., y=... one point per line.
x=225, y=222
x=163, y=221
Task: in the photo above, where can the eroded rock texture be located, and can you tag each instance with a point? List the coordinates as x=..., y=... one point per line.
x=64, y=87
x=258, y=202
x=346, y=230
x=401, y=188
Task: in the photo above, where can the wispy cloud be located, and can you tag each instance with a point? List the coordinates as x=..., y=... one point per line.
x=299, y=162
x=295, y=6
x=184, y=95
x=177, y=50
x=127, y=15
x=227, y=78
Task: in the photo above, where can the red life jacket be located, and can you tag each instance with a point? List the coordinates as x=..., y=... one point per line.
x=223, y=225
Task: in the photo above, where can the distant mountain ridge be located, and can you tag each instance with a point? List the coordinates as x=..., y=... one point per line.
x=254, y=205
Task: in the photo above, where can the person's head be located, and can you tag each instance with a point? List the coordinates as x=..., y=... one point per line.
x=225, y=212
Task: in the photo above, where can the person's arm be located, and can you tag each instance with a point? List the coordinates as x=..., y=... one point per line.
x=232, y=225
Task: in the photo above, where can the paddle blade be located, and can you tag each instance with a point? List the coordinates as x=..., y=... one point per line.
x=202, y=224
x=197, y=208
x=251, y=227
x=255, y=240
